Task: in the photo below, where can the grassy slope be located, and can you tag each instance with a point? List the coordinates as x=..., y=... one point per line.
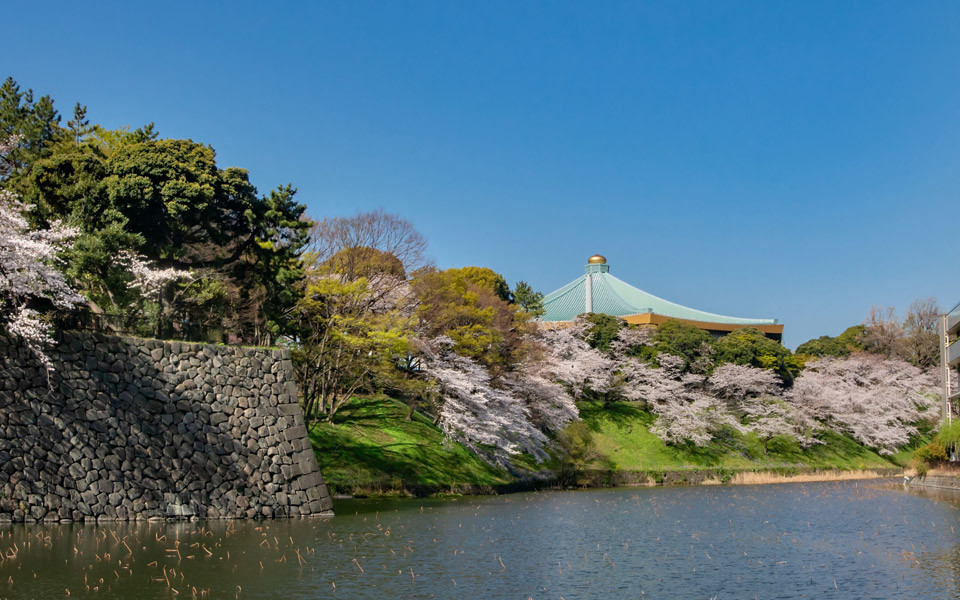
x=372, y=448
x=624, y=442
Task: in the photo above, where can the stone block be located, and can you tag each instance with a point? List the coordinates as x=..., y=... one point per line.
x=289, y=409
x=311, y=480
x=296, y=432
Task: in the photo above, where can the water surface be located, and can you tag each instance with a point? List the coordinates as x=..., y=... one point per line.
x=813, y=540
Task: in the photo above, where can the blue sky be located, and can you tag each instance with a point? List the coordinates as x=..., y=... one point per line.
x=797, y=160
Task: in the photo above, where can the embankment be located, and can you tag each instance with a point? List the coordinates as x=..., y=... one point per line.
x=128, y=429
x=373, y=449
x=943, y=476
x=722, y=476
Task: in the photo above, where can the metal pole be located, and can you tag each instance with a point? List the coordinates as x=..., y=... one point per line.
x=945, y=411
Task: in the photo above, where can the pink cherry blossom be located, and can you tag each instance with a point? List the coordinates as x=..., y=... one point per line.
x=28, y=271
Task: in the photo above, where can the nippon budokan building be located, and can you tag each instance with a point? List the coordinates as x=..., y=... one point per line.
x=597, y=291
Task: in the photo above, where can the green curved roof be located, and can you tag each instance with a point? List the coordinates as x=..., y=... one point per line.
x=612, y=296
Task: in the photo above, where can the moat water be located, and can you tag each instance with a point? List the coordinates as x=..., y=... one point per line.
x=813, y=540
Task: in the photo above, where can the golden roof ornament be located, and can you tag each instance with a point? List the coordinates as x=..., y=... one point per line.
x=597, y=259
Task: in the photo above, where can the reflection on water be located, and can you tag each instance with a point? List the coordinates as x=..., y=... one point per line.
x=814, y=540
x=942, y=564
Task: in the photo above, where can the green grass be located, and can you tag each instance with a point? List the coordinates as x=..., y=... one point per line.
x=904, y=456
x=623, y=442
x=371, y=449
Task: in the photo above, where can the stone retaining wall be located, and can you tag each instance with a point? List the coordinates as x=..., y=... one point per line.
x=941, y=482
x=129, y=428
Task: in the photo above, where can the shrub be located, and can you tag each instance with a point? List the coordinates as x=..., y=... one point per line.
x=749, y=346
x=934, y=451
x=574, y=449
x=694, y=345
x=603, y=330
x=949, y=435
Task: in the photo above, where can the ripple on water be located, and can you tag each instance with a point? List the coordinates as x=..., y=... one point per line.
x=808, y=540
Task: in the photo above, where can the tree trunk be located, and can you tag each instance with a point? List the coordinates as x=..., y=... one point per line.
x=413, y=407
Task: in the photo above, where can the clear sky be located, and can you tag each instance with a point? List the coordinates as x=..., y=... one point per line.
x=797, y=160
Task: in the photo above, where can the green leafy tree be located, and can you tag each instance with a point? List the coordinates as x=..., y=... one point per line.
x=187, y=210
x=168, y=200
x=79, y=126
x=472, y=306
x=695, y=346
x=603, y=330
x=852, y=337
x=530, y=300
x=749, y=346
x=824, y=345
x=343, y=344
x=842, y=345
x=270, y=267
x=35, y=122
x=376, y=250
x=165, y=200
x=574, y=449
x=359, y=298
x=484, y=278
x=356, y=262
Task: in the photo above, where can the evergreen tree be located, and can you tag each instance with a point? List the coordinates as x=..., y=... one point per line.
x=36, y=124
x=530, y=300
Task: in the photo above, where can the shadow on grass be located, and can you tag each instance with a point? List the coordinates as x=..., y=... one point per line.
x=840, y=449
x=627, y=416
x=621, y=414
x=371, y=444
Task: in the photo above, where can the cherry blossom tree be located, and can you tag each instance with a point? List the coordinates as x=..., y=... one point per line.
x=571, y=361
x=650, y=385
x=630, y=338
x=731, y=381
x=685, y=412
x=150, y=284
x=770, y=416
x=514, y=412
x=492, y=422
x=875, y=399
x=28, y=271
x=693, y=417
x=755, y=397
x=550, y=404
x=149, y=280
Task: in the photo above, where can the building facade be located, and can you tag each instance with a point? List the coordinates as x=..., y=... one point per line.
x=949, y=359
